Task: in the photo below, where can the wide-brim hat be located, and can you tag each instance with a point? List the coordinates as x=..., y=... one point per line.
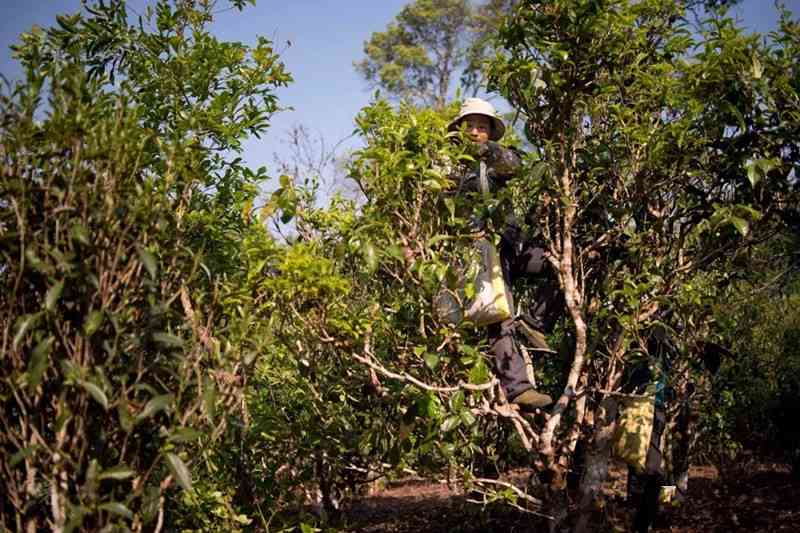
x=477, y=106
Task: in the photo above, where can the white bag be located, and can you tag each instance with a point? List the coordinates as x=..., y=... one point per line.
x=492, y=302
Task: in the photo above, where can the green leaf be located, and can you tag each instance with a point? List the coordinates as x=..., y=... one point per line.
x=148, y=260
x=538, y=170
x=118, y=473
x=117, y=509
x=126, y=421
x=36, y=262
x=431, y=360
x=92, y=323
x=156, y=404
x=370, y=257
x=95, y=392
x=39, y=361
x=80, y=233
x=741, y=225
x=21, y=455
x=479, y=373
x=429, y=406
x=434, y=185
x=209, y=399
x=53, y=295
x=24, y=323
x=168, y=339
x=451, y=207
x=437, y=239
x=184, y=434
x=450, y=423
x=467, y=418
x=752, y=173
x=457, y=401
x=179, y=470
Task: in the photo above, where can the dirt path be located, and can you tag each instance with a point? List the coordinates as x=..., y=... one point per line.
x=764, y=498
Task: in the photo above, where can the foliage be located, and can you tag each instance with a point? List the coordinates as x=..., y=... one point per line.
x=428, y=45
x=119, y=360
x=663, y=157
x=156, y=336
x=418, y=54
x=756, y=390
x=346, y=307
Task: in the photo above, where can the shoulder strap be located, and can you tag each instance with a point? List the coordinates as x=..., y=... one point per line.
x=484, y=180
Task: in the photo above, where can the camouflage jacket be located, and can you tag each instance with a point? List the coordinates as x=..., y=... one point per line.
x=502, y=164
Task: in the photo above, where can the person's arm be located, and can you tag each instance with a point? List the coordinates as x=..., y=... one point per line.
x=503, y=162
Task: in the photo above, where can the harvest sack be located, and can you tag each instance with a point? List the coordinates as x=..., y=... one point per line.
x=634, y=430
x=492, y=300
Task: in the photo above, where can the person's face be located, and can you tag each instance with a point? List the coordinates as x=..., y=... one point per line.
x=478, y=127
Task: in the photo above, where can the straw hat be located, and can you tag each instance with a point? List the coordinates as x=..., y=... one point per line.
x=477, y=106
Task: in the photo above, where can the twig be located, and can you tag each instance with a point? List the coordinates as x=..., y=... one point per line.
x=523, y=427
x=408, y=378
x=519, y=492
x=611, y=393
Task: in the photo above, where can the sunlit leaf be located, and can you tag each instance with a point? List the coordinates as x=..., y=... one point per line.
x=431, y=360
x=117, y=509
x=118, y=473
x=167, y=339
x=184, y=434
x=40, y=359
x=24, y=323
x=53, y=295
x=148, y=260
x=179, y=470
x=741, y=225
x=93, y=323
x=155, y=405
x=95, y=392
x=450, y=423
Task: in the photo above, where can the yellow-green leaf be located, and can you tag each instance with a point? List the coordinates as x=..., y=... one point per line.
x=168, y=339
x=156, y=404
x=53, y=295
x=118, y=472
x=95, y=392
x=39, y=359
x=80, y=234
x=179, y=470
x=450, y=423
x=148, y=260
x=116, y=508
x=24, y=324
x=93, y=323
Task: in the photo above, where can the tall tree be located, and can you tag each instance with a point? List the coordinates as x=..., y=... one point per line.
x=420, y=52
x=661, y=160
x=117, y=366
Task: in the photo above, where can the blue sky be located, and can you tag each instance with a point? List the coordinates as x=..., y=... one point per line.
x=325, y=36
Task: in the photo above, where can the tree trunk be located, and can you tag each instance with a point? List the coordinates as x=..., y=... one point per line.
x=596, y=468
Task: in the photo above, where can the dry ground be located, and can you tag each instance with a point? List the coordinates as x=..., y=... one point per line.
x=758, y=498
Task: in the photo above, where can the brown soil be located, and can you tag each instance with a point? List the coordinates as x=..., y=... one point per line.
x=758, y=498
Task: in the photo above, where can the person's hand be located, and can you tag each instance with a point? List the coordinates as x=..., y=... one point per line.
x=478, y=150
x=481, y=150
x=476, y=223
x=408, y=254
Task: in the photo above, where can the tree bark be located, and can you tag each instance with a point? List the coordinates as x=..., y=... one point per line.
x=596, y=468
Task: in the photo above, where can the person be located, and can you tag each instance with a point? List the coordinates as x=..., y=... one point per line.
x=667, y=456
x=519, y=256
